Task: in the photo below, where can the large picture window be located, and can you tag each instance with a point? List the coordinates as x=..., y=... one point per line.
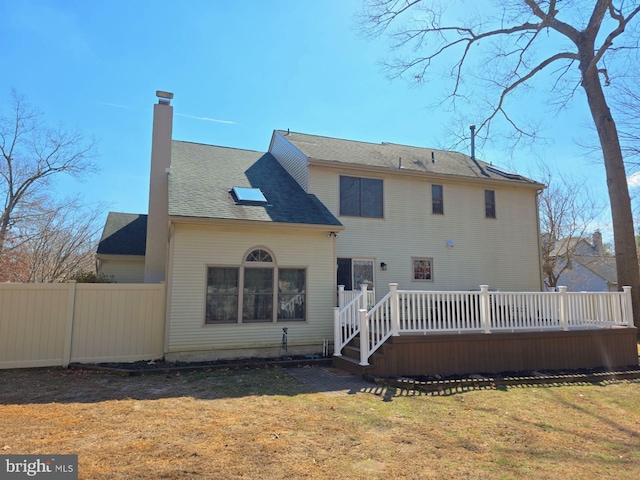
x=257, y=299
x=291, y=293
x=222, y=295
x=247, y=294
x=361, y=197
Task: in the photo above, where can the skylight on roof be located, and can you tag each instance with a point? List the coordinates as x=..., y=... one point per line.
x=248, y=196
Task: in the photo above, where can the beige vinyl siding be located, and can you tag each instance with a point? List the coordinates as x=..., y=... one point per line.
x=197, y=246
x=290, y=158
x=501, y=252
x=123, y=270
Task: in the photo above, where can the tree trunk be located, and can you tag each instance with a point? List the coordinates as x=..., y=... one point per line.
x=621, y=214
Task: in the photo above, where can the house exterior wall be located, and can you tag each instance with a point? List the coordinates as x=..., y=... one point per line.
x=194, y=247
x=123, y=270
x=501, y=252
x=290, y=158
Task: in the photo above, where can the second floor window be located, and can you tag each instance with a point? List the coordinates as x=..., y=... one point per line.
x=361, y=197
x=437, y=200
x=490, y=203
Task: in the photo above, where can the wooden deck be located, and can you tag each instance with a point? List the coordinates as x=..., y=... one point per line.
x=459, y=354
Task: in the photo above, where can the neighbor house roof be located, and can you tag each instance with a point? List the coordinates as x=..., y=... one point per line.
x=202, y=177
x=124, y=234
x=603, y=266
x=391, y=155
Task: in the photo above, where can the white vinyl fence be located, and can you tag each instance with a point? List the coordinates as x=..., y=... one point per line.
x=55, y=324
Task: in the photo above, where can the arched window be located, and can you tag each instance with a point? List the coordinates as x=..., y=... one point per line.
x=259, y=255
x=257, y=291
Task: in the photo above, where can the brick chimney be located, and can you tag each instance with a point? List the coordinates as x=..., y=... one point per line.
x=597, y=242
x=158, y=219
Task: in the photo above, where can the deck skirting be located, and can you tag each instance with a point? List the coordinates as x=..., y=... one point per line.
x=462, y=354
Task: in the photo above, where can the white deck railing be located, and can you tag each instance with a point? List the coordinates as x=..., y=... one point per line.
x=346, y=296
x=407, y=311
x=346, y=316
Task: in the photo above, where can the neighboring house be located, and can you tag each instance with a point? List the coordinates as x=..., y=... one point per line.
x=583, y=265
x=251, y=243
x=120, y=253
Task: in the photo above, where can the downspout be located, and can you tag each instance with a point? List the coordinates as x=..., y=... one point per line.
x=168, y=285
x=540, y=264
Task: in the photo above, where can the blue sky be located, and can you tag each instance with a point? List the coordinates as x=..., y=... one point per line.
x=238, y=70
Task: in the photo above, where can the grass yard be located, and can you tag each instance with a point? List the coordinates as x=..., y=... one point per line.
x=263, y=424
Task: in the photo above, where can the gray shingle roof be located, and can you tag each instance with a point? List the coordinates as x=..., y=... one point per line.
x=124, y=234
x=202, y=176
x=388, y=155
x=602, y=265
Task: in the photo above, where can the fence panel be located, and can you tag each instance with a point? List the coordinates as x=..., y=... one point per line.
x=32, y=324
x=118, y=322
x=51, y=324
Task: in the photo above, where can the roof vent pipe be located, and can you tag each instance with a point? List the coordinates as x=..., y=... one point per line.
x=473, y=141
x=433, y=158
x=399, y=162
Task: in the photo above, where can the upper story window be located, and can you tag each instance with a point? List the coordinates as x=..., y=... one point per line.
x=490, y=203
x=437, y=200
x=361, y=197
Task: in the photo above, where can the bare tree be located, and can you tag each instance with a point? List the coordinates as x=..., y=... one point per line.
x=57, y=242
x=32, y=153
x=515, y=44
x=567, y=213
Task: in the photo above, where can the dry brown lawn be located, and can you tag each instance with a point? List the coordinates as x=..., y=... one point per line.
x=263, y=424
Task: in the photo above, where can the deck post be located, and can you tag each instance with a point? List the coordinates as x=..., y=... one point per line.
x=364, y=338
x=395, y=311
x=485, y=312
x=337, y=332
x=562, y=305
x=627, y=309
x=341, y=296
x=364, y=301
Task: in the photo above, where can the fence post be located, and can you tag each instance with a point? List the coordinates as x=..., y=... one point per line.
x=395, y=311
x=341, y=296
x=68, y=332
x=364, y=301
x=485, y=311
x=562, y=305
x=627, y=311
x=337, y=333
x=364, y=338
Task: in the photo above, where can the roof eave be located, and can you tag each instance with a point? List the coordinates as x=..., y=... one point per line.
x=408, y=172
x=253, y=223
